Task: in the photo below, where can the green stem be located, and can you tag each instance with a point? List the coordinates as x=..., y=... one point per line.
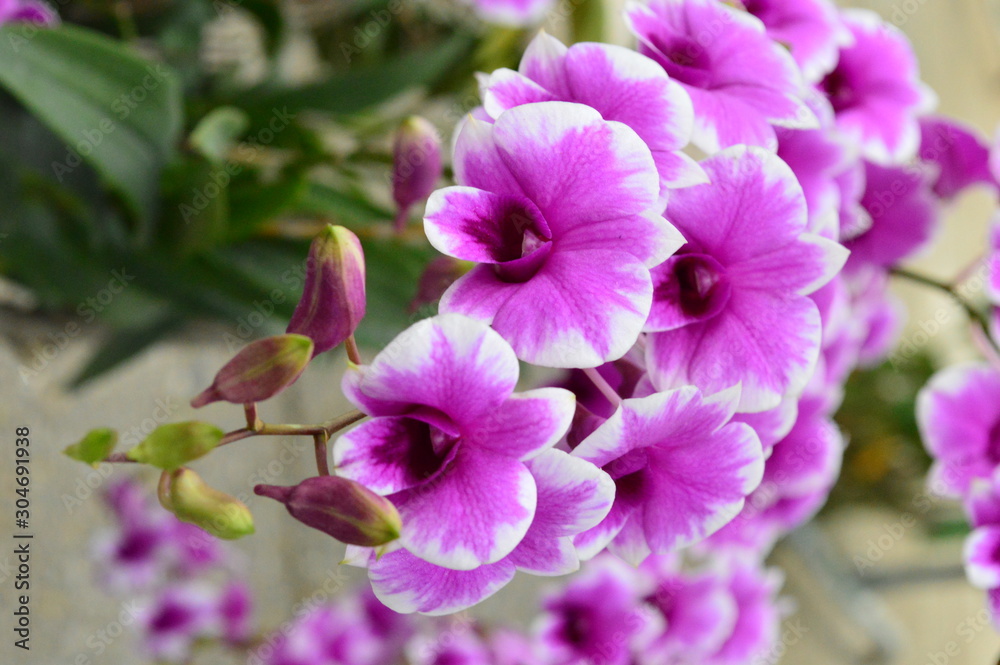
x=324, y=430
x=974, y=314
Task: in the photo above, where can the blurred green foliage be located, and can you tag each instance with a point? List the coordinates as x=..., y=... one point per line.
x=121, y=150
x=885, y=463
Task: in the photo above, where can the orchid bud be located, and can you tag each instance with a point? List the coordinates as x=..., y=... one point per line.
x=333, y=300
x=171, y=446
x=439, y=274
x=191, y=500
x=93, y=447
x=261, y=370
x=416, y=165
x=342, y=508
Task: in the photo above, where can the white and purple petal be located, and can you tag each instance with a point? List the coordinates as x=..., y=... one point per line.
x=473, y=513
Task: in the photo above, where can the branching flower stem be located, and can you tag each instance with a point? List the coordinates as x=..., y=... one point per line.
x=258, y=428
x=974, y=314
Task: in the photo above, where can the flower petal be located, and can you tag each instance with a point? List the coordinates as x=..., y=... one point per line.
x=582, y=309
x=528, y=423
x=473, y=513
x=765, y=342
x=386, y=455
x=408, y=584
x=576, y=167
x=451, y=364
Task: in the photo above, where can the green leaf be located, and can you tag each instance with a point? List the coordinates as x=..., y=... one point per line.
x=358, y=89
x=172, y=446
x=195, y=213
x=215, y=134
x=342, y=208
x=93, y=447
x=253, y=204
x=393, y=274
x=115, y=110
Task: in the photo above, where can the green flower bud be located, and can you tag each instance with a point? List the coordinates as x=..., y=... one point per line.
x=94, y=447
x=187, y=496
x=171, y=446
x=261, y=370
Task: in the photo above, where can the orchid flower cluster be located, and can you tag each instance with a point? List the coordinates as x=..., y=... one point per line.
x=611, y=613
x=178, y=585
x=698, y=318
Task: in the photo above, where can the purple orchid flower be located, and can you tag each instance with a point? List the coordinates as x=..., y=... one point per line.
x=514, y=13
x=740, y=82
x=817, y=157
x=681, y=469
x=28, y=11
x=798, y=476
x=982, y=546
x=619, y=83
x=850, y=183
x=148, y=543
x=510, y=647
x=178, y=617
x=759, y=612
x=449, y=439
x=960, y=153
x=724, y=612
x=904, y=213
x=456, y=643
x=559, y=208
x=811, y=29
x=958, y=412
x=698, y=608
x=992, y=262
x=573, y=496
x=732, y=305
x=772, y=425
x=326, y=635
x=598, y=619
x=878, y=317
x=875, y=90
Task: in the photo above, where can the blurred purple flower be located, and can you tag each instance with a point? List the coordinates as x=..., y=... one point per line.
x=739, y=80
x=876, y=91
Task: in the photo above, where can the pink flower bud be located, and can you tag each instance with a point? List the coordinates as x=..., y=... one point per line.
x=28, y=11
x=261, y=370
x=342, y=508
x=416, y=167
x=333, y=300
x=439, y=274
